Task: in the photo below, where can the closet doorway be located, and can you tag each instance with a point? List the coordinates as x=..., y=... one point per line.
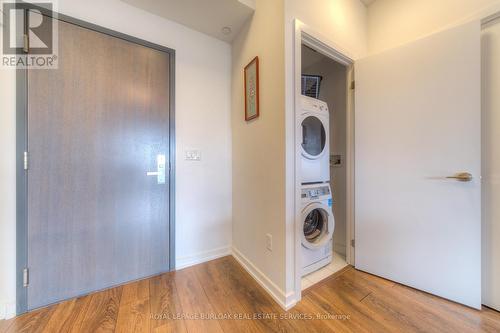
x=326, y=80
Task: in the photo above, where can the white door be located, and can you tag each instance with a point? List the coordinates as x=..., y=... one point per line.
x=418, y=121
x=491, y=164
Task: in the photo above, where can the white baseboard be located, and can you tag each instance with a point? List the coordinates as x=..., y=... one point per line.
x=200, y=257
x=286, y=301
x=7, y=309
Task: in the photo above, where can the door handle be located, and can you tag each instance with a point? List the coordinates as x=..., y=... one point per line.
x=160, y=169
x=461, y=177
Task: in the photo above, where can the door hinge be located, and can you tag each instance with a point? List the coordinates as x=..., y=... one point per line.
x=25, y=160
x=26, y=43
x=353, y=85
x=353, y=243
x=26, y=277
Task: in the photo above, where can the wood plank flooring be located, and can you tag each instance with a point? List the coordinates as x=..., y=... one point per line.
x=219, y=296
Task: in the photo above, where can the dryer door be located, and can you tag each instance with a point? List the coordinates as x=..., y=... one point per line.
x=314, y=136
x=318, y=225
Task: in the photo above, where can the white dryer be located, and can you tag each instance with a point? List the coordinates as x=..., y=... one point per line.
x=315, y=147
x=318, y=225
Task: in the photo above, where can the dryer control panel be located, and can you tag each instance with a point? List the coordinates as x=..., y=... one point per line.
x=313, y=105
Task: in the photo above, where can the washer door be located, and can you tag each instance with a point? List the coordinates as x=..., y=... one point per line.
x=313, y=137
x=317, y=225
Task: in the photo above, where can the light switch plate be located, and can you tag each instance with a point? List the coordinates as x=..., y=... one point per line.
x=192, y=155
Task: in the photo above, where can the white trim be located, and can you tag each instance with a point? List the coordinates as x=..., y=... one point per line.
x=350, y=175
x=313, y=39
x=322, y=44
x=7, y=309
x=286, y=301
x=490, y=19
x=297, y=72
x=201, y=257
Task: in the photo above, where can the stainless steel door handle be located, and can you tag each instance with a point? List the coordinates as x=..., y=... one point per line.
x=160, y=172
x=461, y=177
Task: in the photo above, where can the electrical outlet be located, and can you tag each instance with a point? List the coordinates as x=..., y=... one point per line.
x=193, y=155
x=269, y=242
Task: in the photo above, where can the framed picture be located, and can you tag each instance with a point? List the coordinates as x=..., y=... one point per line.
x=252, y=89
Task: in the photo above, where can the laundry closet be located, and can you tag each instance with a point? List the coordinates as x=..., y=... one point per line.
x=324, y=82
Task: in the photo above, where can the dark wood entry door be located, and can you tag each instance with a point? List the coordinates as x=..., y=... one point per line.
x=96, y=126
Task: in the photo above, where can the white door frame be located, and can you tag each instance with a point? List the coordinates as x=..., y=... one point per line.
x=305, y=35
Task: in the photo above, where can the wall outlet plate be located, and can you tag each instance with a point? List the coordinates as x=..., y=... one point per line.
x=336, y=160
x=269, y=242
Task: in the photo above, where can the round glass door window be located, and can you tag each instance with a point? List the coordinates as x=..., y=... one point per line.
x=313, y=136
x=315, y=224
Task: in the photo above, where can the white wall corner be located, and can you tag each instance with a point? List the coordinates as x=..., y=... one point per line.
x=249, y=3
x=7, y=309
x=286, y=301
x=201, y=257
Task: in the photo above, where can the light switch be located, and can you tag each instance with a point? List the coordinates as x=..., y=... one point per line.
x=193, y=155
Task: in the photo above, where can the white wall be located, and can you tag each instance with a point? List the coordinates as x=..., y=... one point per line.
x=203, y=76
x=491, y=164
x=259, y=151
x=7, y=193
x=343, y=23
x=334, y=92
x=395, y=22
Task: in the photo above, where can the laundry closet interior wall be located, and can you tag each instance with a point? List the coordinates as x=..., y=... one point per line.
x=333, y=91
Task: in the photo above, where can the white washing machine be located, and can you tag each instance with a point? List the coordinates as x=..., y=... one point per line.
x=315, y=147
x=318, y=225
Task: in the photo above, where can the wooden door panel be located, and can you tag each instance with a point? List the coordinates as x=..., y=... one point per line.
x=95, y=127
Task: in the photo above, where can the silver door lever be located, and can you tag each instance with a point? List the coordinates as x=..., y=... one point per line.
x=160, y=169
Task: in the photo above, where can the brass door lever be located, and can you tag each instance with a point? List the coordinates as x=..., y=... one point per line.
x=461, y=177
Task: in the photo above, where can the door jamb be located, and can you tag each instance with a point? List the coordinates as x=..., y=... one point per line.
x=305, y=35
x=22, y=146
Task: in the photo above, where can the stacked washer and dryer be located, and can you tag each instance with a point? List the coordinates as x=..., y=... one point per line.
x=317, y=216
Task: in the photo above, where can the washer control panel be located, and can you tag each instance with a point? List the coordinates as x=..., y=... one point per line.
x=313, y=193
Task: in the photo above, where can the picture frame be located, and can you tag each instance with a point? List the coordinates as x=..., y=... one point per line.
x=251, y=74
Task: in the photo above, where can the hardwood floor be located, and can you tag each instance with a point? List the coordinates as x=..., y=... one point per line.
x=350, y=301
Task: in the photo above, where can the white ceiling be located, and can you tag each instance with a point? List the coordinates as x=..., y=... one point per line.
x=208, y=17
x=368, y=2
